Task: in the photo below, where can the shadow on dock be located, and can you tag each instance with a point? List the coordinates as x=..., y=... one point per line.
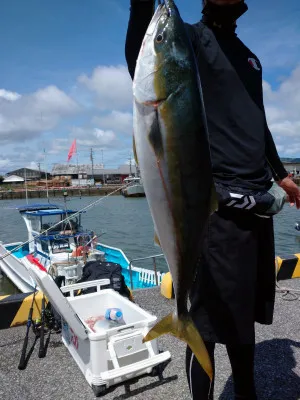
x=132, y=393
x=274, y=375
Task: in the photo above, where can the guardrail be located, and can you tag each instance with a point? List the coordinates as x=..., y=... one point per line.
x=155, y=273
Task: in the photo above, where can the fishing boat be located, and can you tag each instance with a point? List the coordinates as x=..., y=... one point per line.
x=58, y=243
x=134, y=187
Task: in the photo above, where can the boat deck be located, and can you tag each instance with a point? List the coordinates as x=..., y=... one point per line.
x=58, y=377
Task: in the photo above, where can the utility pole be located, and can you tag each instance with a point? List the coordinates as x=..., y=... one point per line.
x=92, y=160
x=103, y=167
x=39, y=165
x=46, y=168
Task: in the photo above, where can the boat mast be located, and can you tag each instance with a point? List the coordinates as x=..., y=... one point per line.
x=130, y=169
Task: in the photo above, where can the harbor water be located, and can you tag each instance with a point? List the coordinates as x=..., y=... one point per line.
x=127, y=224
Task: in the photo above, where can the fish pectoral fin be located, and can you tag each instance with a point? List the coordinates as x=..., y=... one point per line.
x=185, y=330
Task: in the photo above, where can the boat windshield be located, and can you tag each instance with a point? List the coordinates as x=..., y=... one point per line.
x=49, y=222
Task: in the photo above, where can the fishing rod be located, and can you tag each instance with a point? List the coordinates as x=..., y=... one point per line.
x=23, y=361
x=42, y=349
x=64, y=220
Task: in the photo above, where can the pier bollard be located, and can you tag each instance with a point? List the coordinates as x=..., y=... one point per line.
x=166, y=287
x=14, y=309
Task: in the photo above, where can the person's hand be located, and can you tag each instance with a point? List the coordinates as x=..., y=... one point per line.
x=292, y=190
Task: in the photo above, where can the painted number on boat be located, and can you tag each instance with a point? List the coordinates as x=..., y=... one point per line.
x=74, y=339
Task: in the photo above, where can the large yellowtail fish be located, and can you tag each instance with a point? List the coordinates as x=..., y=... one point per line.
x=172, y=149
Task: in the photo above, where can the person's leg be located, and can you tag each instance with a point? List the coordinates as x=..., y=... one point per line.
x=199, y=383
x=242, y=364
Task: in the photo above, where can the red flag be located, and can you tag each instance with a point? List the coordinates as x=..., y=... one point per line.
x=72, y=150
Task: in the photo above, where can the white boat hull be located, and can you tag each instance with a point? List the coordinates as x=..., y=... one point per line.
x=16, y=270
x=134, y=191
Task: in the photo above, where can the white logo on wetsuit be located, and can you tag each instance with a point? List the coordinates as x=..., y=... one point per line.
x=254, y=63
x=241, y=201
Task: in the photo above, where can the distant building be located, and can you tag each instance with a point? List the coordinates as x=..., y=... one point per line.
x=28, y=173
x=13, y=179
x=84, y=173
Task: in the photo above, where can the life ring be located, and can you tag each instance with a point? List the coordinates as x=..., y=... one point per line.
x=78, y=252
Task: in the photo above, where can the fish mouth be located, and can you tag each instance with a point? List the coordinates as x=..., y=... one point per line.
x=155, y=19
x=154, y=103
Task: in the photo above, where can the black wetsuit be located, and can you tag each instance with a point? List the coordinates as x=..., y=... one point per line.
x=235, y=281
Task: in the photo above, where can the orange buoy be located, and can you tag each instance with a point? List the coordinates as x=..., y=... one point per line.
x=78, y=252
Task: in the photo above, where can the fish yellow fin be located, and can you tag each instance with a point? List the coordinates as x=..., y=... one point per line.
x=156, y=239
x=185, y=330
x=214, y=203
x=134, y=152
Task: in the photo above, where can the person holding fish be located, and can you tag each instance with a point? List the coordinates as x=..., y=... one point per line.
x=213, y=180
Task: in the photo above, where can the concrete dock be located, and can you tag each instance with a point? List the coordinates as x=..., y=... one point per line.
x=58, y=377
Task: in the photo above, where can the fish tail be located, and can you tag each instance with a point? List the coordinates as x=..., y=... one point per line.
x=184, y=329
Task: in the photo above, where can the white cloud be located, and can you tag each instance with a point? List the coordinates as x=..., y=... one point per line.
x=283, y=105
x=5, y=163
x=117, y=121
x=26, y=117
x=282, y=109
x=7, y=95
x=111, y=85
x=94, y=137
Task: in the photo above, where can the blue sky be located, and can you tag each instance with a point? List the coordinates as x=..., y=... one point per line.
x=63, y=76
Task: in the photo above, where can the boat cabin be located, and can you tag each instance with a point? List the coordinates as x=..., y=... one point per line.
x=52, y=235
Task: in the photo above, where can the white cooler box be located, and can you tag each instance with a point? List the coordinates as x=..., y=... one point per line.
x=105, y=357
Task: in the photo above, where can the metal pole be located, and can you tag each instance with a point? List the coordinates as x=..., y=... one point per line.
x=25, y=176
x=130, y=272
x=155, y=271
x=46, y=167
x=92, y=160
x=102, y=168
x=77, y=168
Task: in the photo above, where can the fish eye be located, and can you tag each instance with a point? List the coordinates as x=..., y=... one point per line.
x=159, y=38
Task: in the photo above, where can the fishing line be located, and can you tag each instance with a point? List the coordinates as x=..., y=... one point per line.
x=23, y=359
x=64, y=220
x=42, y=352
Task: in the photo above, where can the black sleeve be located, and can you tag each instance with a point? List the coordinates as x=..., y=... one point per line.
x=273, y=159
x=141, y=12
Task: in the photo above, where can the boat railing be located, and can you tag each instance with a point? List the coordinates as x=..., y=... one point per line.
x=146, y=275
